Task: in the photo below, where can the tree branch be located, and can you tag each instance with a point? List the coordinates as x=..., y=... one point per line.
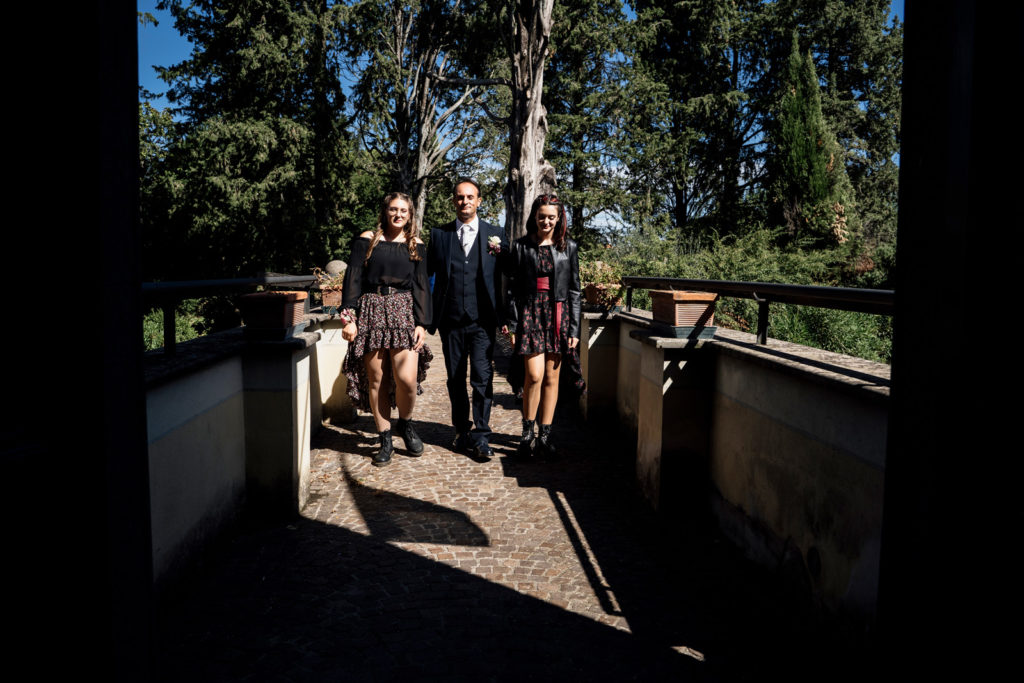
x=451, y=110
x=470, y=81
x=505, y=120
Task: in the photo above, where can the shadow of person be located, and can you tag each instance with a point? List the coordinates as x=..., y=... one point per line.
x=391, y=517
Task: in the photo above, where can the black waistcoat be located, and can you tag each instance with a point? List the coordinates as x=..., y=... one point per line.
x=466, y=299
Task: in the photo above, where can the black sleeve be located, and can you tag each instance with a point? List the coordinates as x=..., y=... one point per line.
x=432, y=257
x=512, y=266
x=501, y=280
x=422, y=306
x=574, y=292
x=352, y=288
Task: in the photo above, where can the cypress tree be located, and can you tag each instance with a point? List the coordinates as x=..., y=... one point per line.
x=811, y=194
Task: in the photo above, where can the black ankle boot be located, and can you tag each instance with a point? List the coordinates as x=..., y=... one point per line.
x=526, y=442
x=413, y=443
x=383, y=456
x=545, y=447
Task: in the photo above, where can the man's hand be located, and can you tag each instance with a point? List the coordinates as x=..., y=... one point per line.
x=573, y=342
x=508, y=333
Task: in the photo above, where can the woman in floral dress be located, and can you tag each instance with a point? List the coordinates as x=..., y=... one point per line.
x=545, y=273
x=387, y=308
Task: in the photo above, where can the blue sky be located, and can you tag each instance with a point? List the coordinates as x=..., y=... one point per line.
x=158, y=46
x=163, y=46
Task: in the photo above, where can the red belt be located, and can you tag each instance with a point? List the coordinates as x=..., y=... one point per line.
x=544, y=285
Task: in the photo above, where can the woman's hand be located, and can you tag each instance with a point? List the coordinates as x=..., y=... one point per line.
x=348, y=333
x=573, y=342
x=418, y=336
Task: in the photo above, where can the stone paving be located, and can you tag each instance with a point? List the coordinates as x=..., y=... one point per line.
x=440, y=567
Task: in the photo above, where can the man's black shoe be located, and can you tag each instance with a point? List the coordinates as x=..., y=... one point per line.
x=461, y=444
x=413, y=443
x=383, y=456
x=480, y=452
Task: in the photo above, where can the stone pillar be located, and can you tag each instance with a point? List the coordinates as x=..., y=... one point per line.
x=330, y=386
x=599, y=358
x=277, y=424
x=673, y=414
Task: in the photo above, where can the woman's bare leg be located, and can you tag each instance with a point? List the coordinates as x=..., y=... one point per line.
x=380, y=403
x=405, y=364
x=549, y=394
x=534, y=374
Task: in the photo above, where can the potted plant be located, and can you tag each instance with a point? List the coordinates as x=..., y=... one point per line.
x=330, y=287
x=602, y=284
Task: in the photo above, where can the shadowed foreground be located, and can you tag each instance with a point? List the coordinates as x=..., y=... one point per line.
x=440, y=567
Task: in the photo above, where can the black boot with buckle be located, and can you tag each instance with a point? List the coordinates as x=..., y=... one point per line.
x=526, y=442
x=545, y=446
x=413, y=443
x=383, y=456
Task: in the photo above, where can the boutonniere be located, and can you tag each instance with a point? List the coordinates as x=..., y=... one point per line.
x=494, y=245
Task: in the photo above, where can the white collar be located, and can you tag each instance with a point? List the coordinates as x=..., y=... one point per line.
x=473, y=224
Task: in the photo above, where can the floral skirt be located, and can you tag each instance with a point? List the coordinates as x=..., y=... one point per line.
x=536, y=333
x=385, y=322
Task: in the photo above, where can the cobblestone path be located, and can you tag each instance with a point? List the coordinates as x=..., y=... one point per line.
x=443, y=568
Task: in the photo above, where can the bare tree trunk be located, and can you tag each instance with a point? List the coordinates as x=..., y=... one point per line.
x=526, y=36
x=529, y=174
x=411, y=51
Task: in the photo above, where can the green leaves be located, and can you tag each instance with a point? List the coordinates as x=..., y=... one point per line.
x=254, y=176
x=692, y=122
x=811, y=190
x=583, y=94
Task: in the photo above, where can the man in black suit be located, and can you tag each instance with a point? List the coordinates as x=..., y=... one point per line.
x=463, y=258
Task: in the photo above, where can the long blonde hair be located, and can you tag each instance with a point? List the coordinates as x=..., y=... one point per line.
x=411, y=229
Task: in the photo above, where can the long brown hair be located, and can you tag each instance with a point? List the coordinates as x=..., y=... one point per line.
x=561, y=228
x=411, y=229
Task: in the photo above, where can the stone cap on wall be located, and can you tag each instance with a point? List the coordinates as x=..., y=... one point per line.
x=196, y=354
x=849, y=372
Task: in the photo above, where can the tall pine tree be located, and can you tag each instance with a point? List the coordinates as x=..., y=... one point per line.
x=585, y=102
x=254, y=178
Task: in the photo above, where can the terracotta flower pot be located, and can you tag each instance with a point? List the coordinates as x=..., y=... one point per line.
x=684, y=314
x=272, y=312
x=331, y=296
x=602, y=294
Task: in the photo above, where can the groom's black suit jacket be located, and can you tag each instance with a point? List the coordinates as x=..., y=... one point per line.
x=445, y=249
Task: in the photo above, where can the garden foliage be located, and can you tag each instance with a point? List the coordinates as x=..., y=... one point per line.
x=743, y=140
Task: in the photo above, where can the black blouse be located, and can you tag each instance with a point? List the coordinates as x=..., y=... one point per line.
x=389, y=265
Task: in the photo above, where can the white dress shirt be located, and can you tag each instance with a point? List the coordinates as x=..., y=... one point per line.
x=467, y=233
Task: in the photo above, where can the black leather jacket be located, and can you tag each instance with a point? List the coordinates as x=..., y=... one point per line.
x=521, y=268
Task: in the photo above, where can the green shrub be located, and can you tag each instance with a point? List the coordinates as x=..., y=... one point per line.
x=187, y=325
x=758, y=257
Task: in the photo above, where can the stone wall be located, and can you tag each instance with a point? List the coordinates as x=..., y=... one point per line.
x=196, y=435
x=783, y=446
x=229, y=427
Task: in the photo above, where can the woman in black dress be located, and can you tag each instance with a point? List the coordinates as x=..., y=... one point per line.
x=386, y=287
x=545, y=273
